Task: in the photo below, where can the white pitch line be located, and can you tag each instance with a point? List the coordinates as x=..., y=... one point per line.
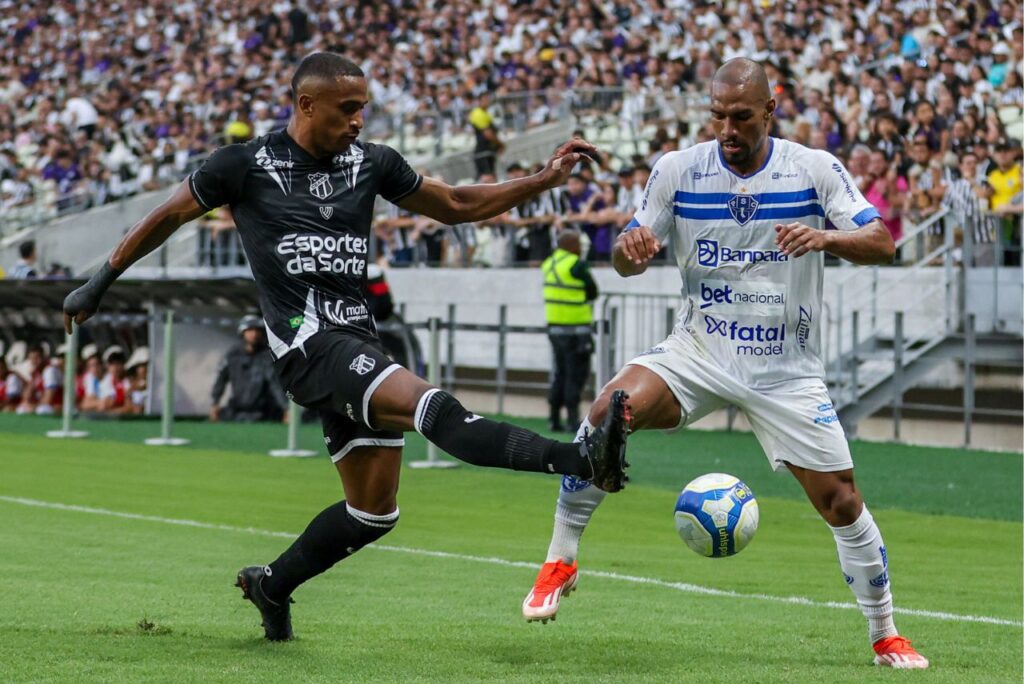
x=650, y=581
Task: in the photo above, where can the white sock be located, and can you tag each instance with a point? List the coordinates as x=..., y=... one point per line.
x=577, y=501
x=866, y=568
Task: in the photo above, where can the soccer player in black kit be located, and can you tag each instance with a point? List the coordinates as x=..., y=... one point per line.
x=302, y=199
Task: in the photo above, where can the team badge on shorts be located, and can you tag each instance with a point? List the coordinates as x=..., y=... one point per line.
x=362, y=364
x=742, y=208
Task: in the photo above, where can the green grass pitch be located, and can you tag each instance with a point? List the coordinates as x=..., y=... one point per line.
x=146, y=595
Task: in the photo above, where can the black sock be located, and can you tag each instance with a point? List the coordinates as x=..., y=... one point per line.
x=333, y=535
x=479, y=441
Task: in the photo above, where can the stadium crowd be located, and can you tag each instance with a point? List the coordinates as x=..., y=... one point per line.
x=109, y=381
x=102, y=100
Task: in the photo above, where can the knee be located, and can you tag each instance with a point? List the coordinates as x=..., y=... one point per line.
x=372, y=526
x=841, y=506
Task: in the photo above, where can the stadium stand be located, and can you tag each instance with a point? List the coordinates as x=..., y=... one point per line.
x=85, y=120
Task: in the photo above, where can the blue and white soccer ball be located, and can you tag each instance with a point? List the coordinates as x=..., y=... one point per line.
x=716, y=515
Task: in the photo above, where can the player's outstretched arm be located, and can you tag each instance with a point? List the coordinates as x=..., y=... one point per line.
x=633, y=251
x=868, y=245
x=467, y=203
x=145, y=236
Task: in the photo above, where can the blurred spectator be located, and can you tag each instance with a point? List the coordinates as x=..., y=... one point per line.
x=533, y=222
x=1006, y=184
x=6, y=404
x=583, y=203
x=30, y=372
x=488, y=144
x=52, y=384
x=248, y=367
x=115, y=390
x=885, y=189
x=137, y=368
x=89, y=388
x=25, y=266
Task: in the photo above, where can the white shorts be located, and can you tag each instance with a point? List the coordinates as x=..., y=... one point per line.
x=794, y=421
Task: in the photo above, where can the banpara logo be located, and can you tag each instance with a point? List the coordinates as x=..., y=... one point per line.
x=711, y=254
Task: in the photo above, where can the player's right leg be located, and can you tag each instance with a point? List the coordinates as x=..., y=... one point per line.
x=369, y=475
x=656, y=408
x=405, y=402
x=354, y=377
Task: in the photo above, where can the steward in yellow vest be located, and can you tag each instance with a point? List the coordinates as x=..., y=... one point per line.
x=569, y=289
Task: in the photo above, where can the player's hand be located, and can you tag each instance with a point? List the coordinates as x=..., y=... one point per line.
x=214, y=414
x=564, y=160
x=638, y=245
x=80, y=305
x=796, y=239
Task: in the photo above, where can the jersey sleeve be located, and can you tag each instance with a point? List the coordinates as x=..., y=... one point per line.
x=397, y=179
x=220, y=179
x=657, y=204
x=842, y=200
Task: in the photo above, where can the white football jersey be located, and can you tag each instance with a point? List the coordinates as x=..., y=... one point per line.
x=756, y=310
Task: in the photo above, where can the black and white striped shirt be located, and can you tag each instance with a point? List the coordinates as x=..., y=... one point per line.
x=963, y=202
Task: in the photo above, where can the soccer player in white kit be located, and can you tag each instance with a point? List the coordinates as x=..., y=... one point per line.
x=745, y=216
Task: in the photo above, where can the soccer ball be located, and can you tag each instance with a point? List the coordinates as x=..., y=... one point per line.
x=716, y=515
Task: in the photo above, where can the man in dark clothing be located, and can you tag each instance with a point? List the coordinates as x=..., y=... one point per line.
x=569, y=288
x=256, y=392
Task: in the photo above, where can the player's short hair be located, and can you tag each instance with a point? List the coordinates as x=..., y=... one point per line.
x=323, y=65
x=27, y=248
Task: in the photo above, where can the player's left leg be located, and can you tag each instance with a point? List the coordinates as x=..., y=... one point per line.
x=862, y=557
x=797, y=426
x=369, y=464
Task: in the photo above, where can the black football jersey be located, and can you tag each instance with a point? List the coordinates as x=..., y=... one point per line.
x=305, y=226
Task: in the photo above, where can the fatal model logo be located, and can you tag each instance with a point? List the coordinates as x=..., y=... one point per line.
x=778, y=175
x=742, y=208
x=758, y=339
x=699, y=175
x=362, y=364
x=320, y=185
x=711, y=254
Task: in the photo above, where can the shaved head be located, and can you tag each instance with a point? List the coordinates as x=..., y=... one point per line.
x=741, y=114
x=744, y=74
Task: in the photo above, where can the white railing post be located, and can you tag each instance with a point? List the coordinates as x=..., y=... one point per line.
x=68, y=407
x=292, y=450
x=167, y=415
x=433, y=377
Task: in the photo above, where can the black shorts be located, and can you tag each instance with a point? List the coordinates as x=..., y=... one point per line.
x=336, y=373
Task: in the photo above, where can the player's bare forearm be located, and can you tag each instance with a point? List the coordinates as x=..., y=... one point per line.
x=155, y=227
x=468, y=203
x=870, y=244
x=143, y=238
